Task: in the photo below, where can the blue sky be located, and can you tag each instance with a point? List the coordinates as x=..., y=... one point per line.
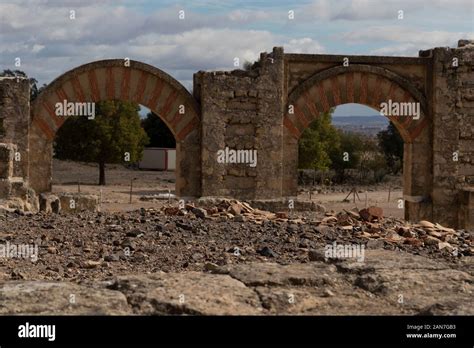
x=215, y=31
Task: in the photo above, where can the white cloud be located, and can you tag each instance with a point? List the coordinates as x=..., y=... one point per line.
x=304, y=45
x=49, y=43
x=360, y=10
x=404, y=40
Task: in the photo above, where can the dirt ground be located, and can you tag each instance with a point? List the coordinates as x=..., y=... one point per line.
x=116, y=194
x=141, y=258
x=73, y=176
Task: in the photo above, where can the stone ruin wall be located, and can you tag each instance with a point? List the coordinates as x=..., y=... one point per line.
x=453, y=123
x=14, y=126
x=244, y=110
x=15, y=119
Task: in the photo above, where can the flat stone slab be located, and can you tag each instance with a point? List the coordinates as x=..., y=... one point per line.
x=379, y=259
x=188, y=293
x=415, y=290
x=59, y=298
x=309, y=274
x=318, y=301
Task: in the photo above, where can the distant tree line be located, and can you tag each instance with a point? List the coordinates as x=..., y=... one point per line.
x=325, y=148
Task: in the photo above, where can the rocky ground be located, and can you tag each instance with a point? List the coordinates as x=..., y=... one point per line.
x=229, y=258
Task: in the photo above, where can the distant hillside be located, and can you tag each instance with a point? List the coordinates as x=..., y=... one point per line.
x=361, y=120
x=369, y=125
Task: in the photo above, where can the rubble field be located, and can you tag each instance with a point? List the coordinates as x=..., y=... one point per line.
x=227, y=257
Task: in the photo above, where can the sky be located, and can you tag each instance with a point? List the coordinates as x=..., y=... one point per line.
x=214, y=32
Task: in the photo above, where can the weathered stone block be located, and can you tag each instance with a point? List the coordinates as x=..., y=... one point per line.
x=76, y=202
x=49, y=203
x=241, y=183
x=19, y=188
x=5, y=188
x=7, y=152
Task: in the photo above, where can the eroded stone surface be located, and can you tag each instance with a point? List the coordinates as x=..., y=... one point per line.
x=59, y=298
x=188, y=293
x=321, y=301
x=388, y=283
x=310, y=274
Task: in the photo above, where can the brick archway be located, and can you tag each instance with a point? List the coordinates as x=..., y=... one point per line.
x=111, y=79
x=368, y=85
x=362, y=84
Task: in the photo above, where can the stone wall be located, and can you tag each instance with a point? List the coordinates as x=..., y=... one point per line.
x=242, y=110
x=14, y=190
x=15, y=119
x=453, y=135
x=247, y=110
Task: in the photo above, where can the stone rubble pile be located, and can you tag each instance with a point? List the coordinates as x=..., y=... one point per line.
x=368, y=223
x=227, y=209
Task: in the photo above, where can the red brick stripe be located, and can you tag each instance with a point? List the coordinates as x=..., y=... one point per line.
x=188, y=129
x=309, y=102
x=313, y=109
x=76, y=85
x=57, y=121
x=364, y=86
x=110, y=84
x=156, y=94
x=138, y=98
x=176, y=119
x=61, y=94
x=408, y=119
x=288, y=124
x=415, y=132
x=391, y=91
x=350, y=87
x=335, y=90
x=301, y=118
x=44, y=127
x=125, y=86
x=379, y=82
x=93, y=85
x=169, y=103
x=324, y=99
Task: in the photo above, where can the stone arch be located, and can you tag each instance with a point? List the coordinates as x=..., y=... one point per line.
x=357, y=83
x=370, y=86
x=111, y=79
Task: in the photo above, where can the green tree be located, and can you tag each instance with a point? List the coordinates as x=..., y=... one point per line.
x=158, y=132
x=391, y=144
x=113, y=135
x=316, y=143
x=347, y=154
x=372, y=160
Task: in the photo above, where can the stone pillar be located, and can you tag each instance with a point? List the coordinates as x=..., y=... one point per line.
x=15, y=120
x=466, y=211
x=453, y=129
x=417, y=177
x=188, y=162
x=269, y=135
x=290, y=164
x=243, y=110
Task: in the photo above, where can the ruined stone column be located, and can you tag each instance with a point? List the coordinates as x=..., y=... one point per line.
x=417, y=177
x=15, y=120
x=453, y=131
x=243, y=110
